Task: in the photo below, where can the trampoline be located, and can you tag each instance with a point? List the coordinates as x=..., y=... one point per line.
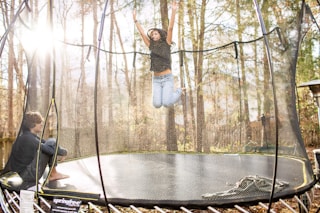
x=234, y=139
x=174, y=180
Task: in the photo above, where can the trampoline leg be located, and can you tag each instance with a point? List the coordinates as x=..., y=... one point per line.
x=316, y=153
x=317, y=169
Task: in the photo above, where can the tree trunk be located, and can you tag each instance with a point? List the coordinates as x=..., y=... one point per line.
x=194, y=40
x=183, y=75
x=244, y=115
x=10, y=77
x=171, y=128
x=125, y=61
x=199, y=83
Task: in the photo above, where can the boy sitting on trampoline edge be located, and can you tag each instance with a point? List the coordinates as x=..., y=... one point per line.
x=23, y=157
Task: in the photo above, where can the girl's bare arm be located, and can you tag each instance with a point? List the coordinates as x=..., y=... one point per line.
x=140, y=29
x=175, y=6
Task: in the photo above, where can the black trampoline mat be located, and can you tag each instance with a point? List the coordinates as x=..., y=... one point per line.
x=162, y=178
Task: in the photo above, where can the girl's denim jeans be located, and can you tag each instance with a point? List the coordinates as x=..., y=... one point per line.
x=163, y=91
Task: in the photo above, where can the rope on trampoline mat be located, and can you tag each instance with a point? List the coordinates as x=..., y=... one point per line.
x=252, y=184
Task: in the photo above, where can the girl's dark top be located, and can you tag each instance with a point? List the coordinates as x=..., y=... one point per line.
x=160, y=55
x=24, y=150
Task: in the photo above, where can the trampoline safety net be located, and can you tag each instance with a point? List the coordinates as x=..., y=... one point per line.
x=216, y=147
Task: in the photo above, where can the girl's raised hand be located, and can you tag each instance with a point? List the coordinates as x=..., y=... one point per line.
x=134, y=15
x=175, y=4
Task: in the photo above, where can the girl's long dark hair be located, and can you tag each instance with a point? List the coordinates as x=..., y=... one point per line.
x=163, y=33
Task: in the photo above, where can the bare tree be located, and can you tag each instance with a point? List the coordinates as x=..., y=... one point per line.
x=198, y=44
x=170, y=121
x=185, y=81
x=11, y=59
x=244, y=106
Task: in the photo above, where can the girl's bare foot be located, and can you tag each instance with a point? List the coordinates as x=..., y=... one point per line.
x=57, y=176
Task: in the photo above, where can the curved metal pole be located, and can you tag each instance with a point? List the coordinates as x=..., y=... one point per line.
x=4, y=37
x=96, y=98
x=270, y=63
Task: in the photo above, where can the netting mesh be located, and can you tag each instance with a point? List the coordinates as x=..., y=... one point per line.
x=238, y=103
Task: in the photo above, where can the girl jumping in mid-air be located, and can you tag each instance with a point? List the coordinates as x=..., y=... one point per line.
x=159, y=43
